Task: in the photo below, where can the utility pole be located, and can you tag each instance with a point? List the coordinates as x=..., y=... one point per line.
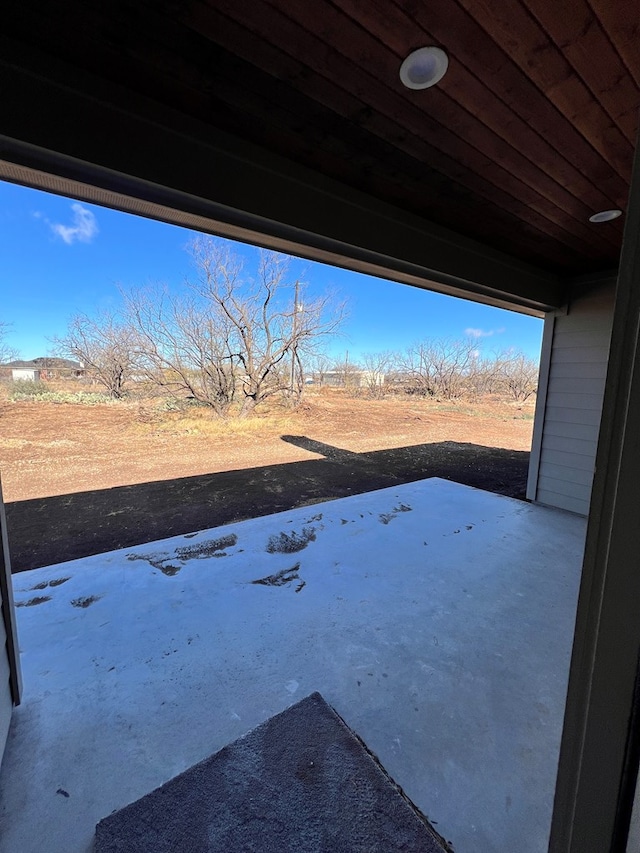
x=294, y=337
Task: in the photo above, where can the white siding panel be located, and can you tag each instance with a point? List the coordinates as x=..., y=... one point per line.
x=594, y=338
x=570, y=460
x=575, y=391
x=585, y=432
x=566, y=474
x=584, y=402
x=562, y=487
x=579, y=505
x=6, y=700
x=572, y=416
x=577, y=370
x=581, y=355
x=577, y=385
x=569, y=445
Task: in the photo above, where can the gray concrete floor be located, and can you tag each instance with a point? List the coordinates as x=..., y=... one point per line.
x=437, y=619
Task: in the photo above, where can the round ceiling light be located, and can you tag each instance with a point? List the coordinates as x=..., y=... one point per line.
x=424, y=67
x=605, y=216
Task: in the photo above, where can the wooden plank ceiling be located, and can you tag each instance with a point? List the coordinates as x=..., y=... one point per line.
x=531, y=130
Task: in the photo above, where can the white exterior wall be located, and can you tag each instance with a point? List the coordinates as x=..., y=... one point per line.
x=21, y=373
x=10, y=677
x=573, y=373
x=6, y=698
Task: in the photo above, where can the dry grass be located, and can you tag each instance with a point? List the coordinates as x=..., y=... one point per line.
x=49, y=448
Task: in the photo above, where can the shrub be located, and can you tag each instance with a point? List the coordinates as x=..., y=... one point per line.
x=25, y=389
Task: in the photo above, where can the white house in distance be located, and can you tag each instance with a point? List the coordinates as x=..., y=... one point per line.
x=508, y=181
x=24, y=374
x=43, y=367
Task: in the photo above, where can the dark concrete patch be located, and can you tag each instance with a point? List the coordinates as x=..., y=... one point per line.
x=45, y=584
x=386, y=517
x=282, y=578
x=290, y=543
x=85, y=600
x=208, y=548
x=157, y=561
x=169, y=569
x=32, y=602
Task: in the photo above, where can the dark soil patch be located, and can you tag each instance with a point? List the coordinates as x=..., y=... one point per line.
x=46, y=531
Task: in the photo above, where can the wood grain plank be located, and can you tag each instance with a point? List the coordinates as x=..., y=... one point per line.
x=171, y=63
x=492, y=64
x=578, y=34
x=206, y=80
x=447, y=125
x=329, y=65
x=511, y=25
x=487, y=83
x=621, y=21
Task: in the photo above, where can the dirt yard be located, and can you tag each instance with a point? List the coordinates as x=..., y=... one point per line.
x=82, y=479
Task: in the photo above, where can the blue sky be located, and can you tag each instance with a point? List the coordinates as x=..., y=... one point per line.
x=61, y=257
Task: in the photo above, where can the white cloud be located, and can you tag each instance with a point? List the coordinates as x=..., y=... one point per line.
x=83, y=229
x=483, y=333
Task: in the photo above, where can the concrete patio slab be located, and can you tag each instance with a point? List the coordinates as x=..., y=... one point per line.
x=437, y=619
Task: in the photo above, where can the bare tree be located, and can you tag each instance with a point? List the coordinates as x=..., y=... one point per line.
x=318, y=365
x=181, y=349
x=347, y=371
x=7, y=352
x=231, y=336
x=104, y=346
x=375, y=366
x=439, y=367
x=483, y=376
x=518, y=373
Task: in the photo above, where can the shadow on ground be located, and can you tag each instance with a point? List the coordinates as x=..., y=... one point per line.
x=45, y=531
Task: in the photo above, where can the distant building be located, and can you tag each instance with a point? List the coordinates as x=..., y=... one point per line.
x=353, y=378
x=25, y=374
x=44, y=367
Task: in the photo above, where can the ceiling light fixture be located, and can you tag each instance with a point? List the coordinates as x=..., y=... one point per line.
x=424, y=67
x=605, y=216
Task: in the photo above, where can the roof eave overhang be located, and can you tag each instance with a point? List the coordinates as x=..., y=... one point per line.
x=97, y=142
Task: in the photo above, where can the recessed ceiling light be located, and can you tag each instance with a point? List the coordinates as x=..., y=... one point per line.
x=424, y=67
x=605, y=216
